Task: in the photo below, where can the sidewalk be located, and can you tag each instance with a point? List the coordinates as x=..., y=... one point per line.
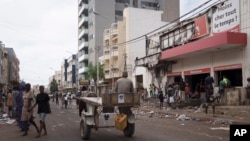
x=223, y=114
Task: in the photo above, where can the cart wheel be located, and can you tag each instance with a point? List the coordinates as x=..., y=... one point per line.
x=129, y=130
x=85, y=130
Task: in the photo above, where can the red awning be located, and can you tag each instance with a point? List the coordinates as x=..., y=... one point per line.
x=218, y=41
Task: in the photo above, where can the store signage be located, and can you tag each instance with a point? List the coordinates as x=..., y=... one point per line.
x=228, y=67
x=174, y=74
x=200, y=27
x=226, y=17
x=198, y=71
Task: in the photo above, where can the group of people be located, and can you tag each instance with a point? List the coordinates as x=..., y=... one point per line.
x=181, y=91
x=21, y=101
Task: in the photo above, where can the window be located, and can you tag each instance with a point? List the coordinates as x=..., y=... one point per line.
x=149, y=4
x=120, y=13
x=122, y=1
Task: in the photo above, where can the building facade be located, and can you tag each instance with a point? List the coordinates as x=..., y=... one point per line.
x=9, y=67
x=119, y=55
x=214, y=43
x=93, y=19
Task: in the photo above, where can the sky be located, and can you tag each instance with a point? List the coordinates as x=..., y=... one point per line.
x=44, y=32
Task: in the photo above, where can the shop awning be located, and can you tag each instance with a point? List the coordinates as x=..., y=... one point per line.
x=224, y=40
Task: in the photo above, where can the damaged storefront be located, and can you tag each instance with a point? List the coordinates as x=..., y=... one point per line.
x=207, y=45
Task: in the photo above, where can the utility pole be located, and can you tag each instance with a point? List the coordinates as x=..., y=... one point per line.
x=97, y=48
x=125, y=62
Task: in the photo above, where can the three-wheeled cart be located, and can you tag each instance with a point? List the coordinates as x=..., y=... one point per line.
x=90, y=108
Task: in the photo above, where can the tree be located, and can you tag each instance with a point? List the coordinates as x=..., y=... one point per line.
x=92, y=72
x=53, y=86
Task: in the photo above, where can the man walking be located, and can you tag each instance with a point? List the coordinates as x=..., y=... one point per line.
x=42, y=100
x=209, y=92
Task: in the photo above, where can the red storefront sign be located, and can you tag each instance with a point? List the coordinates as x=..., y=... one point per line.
x=198, y=71
x=228, y=67
x=201, y=27
x=174, y=74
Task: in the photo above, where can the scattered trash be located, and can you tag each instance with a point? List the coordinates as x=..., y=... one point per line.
x=183, y=117
x=182, y=124
x=199, y=110
x=220, y=128
x=151, y=113
x=4, y=119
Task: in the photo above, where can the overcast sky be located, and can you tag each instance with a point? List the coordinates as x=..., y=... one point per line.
x=43, y=32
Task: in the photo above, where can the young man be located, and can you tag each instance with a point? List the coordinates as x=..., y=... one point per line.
x=42, y=100
x=27, y=115
x=209, y=92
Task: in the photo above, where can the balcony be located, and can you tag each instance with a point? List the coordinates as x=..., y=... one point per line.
x=106, y=34
x=83, y=32
x=82, y=21
x=83, y=57
x=84, y=44
x=114, y=52
x=82, y=69
x=84, y=9
x=107, y=76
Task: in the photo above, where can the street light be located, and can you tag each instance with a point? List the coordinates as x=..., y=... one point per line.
x=110, y=45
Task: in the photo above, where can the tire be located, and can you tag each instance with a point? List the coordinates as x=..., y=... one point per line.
x=129, y=130
x=85, y=130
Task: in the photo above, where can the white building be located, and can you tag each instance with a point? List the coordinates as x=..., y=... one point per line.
x=138, y=23
x=216, y=43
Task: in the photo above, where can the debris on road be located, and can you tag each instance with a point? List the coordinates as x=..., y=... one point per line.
x=4, y=119
x=183, y=117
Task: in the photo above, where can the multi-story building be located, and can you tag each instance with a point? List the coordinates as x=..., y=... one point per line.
x=11, y=66
x=3, y=56
x=215, y=43
x=96, y=15
x=71, y=72
x=122, y=54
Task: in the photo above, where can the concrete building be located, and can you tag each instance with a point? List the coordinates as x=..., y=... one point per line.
x=120, y=56
x=11, y=67
x=97, y=15
x=214, y=42
x=57, y=77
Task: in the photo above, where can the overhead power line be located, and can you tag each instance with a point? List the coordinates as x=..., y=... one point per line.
x=168, y=24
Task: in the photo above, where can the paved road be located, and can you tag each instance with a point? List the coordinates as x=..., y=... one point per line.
x=63, y=125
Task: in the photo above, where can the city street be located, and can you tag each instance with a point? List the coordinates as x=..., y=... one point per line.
x=63, y=125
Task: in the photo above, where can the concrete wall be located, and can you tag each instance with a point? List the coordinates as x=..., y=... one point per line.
x=244, y=26
x=138, y=23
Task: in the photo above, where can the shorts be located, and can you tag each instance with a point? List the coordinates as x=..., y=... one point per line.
x=42, y=116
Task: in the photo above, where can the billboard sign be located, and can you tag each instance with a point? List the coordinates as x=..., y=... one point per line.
x=227, y=17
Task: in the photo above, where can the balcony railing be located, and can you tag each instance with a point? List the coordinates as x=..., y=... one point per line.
x=83, y=45
x=83, y=32
x=83, y=57
x=83, y=70
x=83, y=20
x=84, y=8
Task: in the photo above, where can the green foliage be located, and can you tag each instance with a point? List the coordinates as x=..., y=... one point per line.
x=53, y=86
x=92, y=72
